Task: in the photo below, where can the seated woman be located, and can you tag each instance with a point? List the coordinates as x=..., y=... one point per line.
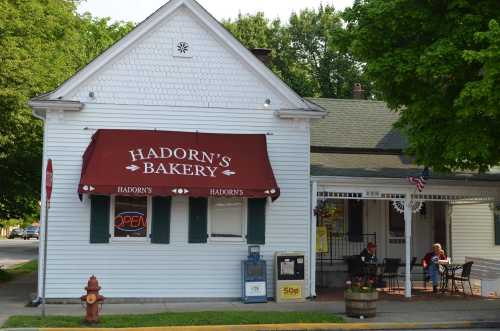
x=431, y=263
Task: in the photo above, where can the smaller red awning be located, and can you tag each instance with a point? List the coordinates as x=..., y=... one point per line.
x=140, y=162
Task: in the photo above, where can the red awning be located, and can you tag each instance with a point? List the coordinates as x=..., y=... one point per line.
x=137, y=162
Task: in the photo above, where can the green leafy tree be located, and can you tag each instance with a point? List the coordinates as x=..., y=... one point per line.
x=310, y=53
x=437, y=63
x=319, y=41
x=42, y=43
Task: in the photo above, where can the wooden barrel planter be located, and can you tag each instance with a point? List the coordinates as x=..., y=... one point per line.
x=361, y=304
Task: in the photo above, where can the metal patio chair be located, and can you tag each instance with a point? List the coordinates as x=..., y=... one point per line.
x=355, y=267
x=464, y=276
x=390, y=272
x=412, y=264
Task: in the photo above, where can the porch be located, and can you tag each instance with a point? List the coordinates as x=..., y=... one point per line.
x=402, y=222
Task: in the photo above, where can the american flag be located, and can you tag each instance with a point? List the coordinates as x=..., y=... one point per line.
x=419, y=181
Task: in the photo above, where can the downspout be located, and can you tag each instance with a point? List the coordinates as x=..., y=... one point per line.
x=449, y=229
x=41, y=115
x=312, y=249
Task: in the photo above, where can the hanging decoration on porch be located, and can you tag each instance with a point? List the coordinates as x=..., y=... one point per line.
x=324, y=210
x=399, y=205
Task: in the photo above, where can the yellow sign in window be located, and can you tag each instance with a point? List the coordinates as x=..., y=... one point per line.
x=291, y=291
x=321, y=239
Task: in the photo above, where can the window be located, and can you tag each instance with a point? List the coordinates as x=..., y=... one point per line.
x=396, y=223
x=227, y=218
x=355, y=219
x=130, y=217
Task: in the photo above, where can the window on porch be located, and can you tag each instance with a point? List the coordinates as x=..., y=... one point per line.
x=355, y=219
x=396, y=225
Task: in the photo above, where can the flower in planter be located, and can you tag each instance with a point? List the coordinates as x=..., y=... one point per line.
x=361, y=285
x=324, y=210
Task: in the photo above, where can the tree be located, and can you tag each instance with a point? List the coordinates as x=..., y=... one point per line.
x=42, y=43
x=309, y=53
x=438, y=64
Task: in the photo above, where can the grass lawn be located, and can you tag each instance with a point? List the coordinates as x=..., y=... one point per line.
x=18, y=270
x=173, y=319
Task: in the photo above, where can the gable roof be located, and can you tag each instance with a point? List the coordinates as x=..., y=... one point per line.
x=142, y=29
x=353, y=123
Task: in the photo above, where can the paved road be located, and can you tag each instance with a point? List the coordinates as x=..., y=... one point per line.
x=14, y=251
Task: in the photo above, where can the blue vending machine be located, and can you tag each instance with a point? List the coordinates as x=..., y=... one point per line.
x=254, y=277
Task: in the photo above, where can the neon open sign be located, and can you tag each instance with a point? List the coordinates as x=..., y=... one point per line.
x=130, y=221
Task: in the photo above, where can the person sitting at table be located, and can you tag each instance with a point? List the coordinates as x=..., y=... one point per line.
x=369, y=259
x=431, y=263
x=368, y=254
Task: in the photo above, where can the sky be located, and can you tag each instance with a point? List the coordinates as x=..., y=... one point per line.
x=136, y=11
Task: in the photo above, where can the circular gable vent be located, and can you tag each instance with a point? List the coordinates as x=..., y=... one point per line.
x=183, y=47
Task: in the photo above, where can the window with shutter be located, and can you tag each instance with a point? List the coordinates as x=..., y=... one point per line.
x=227, y=219
x=99, y=219
x=130, y=217
x=160, y=220
x=197, y=229
x=256, y=221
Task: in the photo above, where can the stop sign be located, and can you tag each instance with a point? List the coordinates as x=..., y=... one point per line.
x=48, y=181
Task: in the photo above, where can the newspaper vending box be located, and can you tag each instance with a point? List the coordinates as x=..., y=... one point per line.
x=254, y=277
x=289, y=276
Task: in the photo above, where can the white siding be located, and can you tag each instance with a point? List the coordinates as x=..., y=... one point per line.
x=148, y=72
x=178, y=269
x=472, y=232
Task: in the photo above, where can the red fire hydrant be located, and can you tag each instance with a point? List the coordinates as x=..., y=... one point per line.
x=92, y=299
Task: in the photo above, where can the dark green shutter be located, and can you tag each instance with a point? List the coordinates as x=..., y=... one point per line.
x=99, y=219
x=256, y=221
x=496, y=215
x=160, y=219
x=198, y=220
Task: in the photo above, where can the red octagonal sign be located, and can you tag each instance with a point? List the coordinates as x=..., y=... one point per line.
x=48, y=181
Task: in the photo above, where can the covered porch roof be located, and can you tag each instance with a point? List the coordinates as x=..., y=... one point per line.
x=384, y=166
x=377, y=188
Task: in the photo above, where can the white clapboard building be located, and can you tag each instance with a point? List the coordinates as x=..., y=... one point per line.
x=166, y=98
x=177, y=148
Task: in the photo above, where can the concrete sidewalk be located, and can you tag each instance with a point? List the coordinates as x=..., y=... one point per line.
x=15, y=295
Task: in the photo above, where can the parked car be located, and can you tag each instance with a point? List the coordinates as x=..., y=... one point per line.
x=16, y=233
x=31, y=232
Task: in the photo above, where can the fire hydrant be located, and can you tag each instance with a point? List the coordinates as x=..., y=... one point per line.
x=92, y=299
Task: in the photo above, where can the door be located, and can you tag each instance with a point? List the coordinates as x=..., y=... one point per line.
x=395, y=233
x=440, y=224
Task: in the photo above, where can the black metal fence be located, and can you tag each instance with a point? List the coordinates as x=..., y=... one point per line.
x=341, y=245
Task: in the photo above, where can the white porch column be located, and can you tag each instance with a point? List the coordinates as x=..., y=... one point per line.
x=312, y=259
x=407, y=213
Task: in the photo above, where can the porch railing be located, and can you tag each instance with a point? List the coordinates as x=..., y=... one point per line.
x=341, y=245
